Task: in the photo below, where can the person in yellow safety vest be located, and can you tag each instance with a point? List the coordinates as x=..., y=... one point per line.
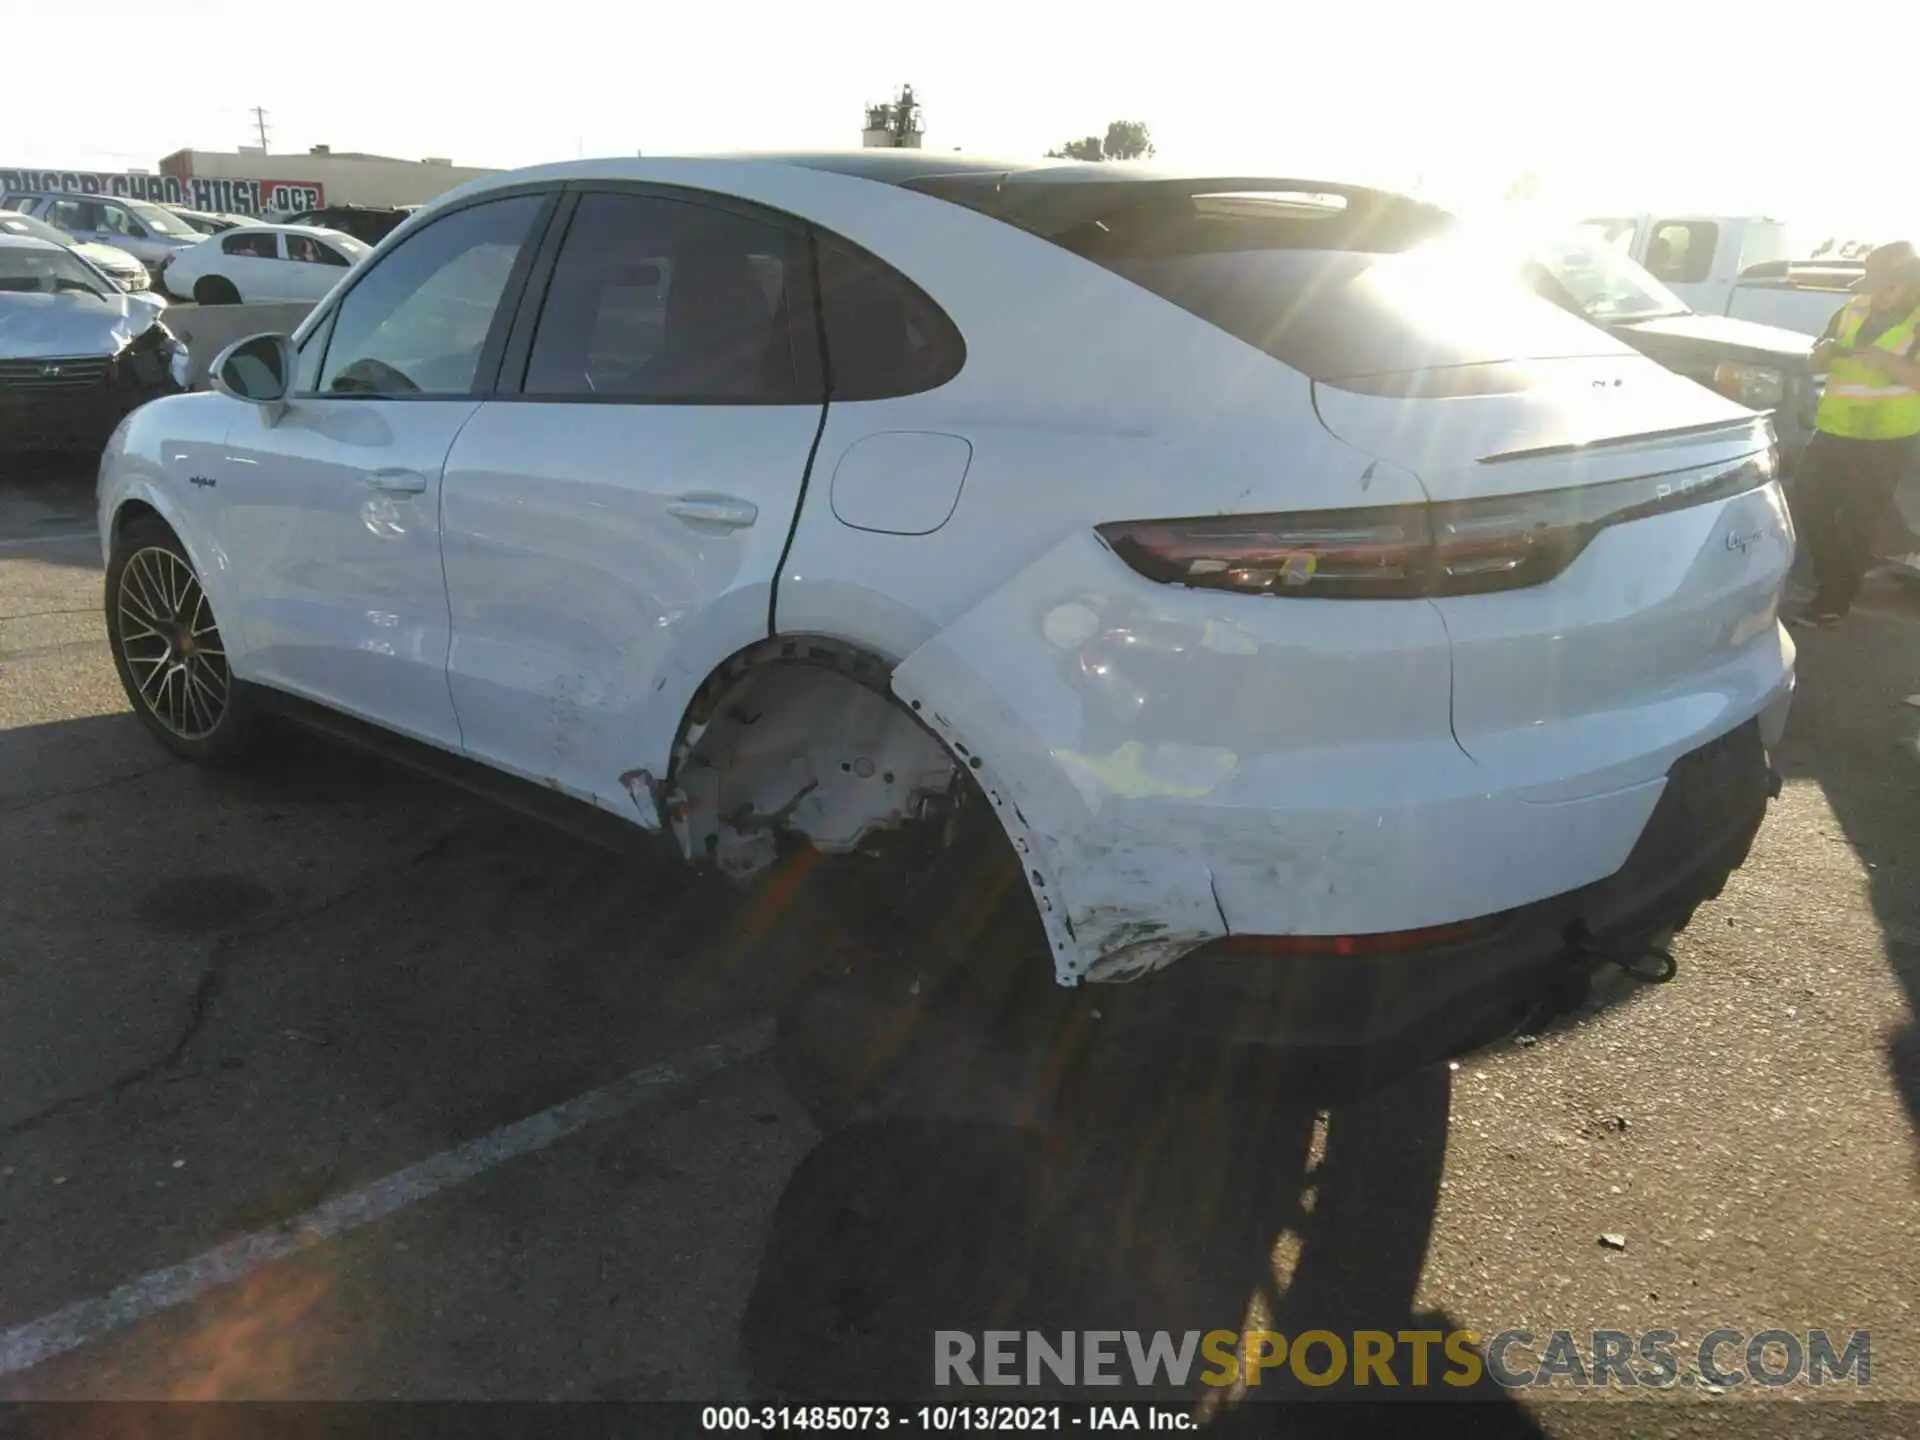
x=1865, y=435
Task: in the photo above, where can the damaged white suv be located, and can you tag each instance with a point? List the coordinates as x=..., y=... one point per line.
x=1316, y=619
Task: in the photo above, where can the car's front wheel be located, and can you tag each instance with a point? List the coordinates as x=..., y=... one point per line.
x=167, y=646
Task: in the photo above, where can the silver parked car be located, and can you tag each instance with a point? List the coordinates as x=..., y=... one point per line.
x=76, y=353
x=143, y=230
x=116, y=264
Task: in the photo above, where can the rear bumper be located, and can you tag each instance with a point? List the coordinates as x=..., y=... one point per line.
x=1418, y=1006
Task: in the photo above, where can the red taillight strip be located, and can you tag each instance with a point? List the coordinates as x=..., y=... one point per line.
x=1453, y=547
x=1431, y=937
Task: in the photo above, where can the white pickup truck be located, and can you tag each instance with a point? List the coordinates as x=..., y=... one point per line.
x=1735, y=265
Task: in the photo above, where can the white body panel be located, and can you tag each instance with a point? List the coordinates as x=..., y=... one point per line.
x=600, y=560
x=1174, y=764
x=331, y=517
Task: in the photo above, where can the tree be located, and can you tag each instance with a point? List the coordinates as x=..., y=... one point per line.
x=1087, y=149
x=1125, y=140
x=1128, y=140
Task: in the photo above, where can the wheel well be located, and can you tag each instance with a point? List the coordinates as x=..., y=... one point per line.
x=800, y=736
x=131, y=512
x=796, y=748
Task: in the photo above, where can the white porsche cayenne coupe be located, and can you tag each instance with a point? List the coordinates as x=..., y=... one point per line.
x=1322, y=625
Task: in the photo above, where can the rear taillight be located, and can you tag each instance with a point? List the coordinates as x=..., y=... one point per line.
x=1462, y=547
x=1431, y=937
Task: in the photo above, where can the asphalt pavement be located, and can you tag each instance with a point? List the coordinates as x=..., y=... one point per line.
x=319, y=1079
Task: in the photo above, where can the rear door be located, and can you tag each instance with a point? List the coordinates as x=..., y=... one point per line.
x=251, y=260
x=615, y=517
x=77, y=216
x=312, y=267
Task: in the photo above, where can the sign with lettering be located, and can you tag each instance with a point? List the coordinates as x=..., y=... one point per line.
x=236, y=197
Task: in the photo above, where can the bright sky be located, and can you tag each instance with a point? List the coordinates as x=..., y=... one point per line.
x=1617, y=104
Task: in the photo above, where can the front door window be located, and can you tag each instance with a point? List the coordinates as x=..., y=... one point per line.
x=417, y=322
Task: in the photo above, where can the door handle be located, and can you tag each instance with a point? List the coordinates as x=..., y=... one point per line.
x=398, y=482
x=715, y=510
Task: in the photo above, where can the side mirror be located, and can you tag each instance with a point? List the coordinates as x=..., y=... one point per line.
x=257, y=369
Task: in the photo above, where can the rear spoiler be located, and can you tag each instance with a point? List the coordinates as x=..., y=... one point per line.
x=1753, y=432
x=1049, y=204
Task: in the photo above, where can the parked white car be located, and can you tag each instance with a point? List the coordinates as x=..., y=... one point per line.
x=1304, y=622
x=259, y=264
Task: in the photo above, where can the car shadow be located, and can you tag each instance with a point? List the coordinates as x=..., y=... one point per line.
x=48, y=498
x=1852, y=733
x=1184, y=1195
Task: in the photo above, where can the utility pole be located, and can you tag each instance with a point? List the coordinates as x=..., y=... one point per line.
x=260, y=125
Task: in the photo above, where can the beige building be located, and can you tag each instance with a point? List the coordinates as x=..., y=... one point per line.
x=253, y=180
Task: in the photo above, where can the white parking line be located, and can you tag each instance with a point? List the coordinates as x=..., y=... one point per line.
x=59, y=537
x=76, y=1325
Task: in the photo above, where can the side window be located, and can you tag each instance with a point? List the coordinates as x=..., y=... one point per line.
x=417, y=321
x=1681, y=251
x=885, y=336
x=664, y=300
x=70, y=215
x=325, y=254
x=115, y=221
x=250, y=246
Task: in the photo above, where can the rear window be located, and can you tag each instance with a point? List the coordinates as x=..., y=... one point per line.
x=1385, y=324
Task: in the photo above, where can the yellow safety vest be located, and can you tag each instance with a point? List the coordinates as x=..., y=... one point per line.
x=1861, y=402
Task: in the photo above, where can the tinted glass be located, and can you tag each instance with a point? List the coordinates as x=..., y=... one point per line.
x=884, y=336
x=15, y=224
x=1341, y=316
x=157, y=220
x=1681, y=252
x=308, y=250
x=665, y=300
x=416, y=322
x=25, y=271
x=258, y=247
x=1604, y=283
x=306, y=367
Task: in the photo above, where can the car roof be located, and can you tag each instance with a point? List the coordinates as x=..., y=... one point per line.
x=269, y=228
x=1046, y=197
x=27, y=242
x=78, y=195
